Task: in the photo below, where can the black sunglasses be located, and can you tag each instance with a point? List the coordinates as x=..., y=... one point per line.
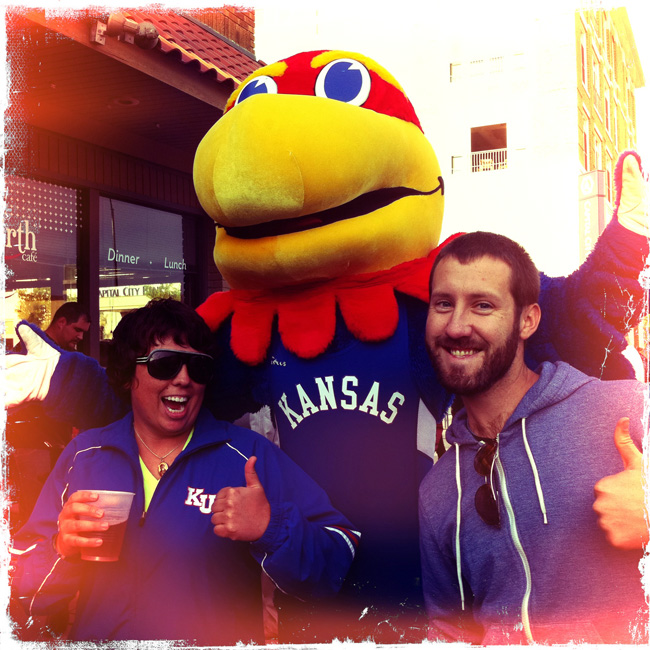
x=486, y=497
x=166, y=364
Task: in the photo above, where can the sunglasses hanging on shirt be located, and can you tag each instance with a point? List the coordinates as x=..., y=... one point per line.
x=486, y=499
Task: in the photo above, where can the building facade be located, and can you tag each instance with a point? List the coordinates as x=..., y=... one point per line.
x=536, y=111
x=608, y=73
x=105, y=113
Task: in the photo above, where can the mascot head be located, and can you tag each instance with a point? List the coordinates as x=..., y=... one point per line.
x=318, y=170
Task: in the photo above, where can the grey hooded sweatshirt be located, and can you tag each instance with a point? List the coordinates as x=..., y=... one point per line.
x=547, y=574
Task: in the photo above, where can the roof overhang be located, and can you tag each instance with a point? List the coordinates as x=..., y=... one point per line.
x=154, y=104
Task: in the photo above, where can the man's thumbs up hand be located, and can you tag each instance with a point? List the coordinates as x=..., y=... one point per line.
x=242, y=513
x=632, y=457
x=620, y=499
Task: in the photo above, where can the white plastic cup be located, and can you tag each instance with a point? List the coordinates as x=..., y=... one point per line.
x=116, y=506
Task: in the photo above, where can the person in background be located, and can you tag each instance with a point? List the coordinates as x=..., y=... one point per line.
x=69, y=324
x=512, y=549
x=67, y=327
x=215, y=506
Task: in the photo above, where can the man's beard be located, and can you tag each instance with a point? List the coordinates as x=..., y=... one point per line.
x=495, y=366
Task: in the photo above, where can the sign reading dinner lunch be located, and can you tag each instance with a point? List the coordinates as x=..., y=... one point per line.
x=131, y=258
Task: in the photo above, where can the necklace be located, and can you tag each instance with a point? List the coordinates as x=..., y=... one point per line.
x=163, y=467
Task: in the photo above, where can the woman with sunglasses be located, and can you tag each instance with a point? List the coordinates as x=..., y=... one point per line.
x=214, y=506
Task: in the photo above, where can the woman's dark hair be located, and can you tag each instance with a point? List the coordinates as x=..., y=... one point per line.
x=524, y=276
x=140, y=329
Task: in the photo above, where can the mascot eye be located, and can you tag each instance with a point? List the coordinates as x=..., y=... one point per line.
x=258, y=86
x=346, y=80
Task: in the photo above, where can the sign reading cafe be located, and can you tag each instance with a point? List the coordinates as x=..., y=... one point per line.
x=24, y=240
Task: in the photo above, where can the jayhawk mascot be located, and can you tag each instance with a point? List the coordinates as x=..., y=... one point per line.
x=328, y=200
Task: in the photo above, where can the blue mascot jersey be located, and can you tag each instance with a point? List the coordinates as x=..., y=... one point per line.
x=349, y=419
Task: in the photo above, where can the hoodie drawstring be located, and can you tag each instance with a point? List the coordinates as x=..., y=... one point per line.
x=538, y=489
x=458, y=508
x=533, y=466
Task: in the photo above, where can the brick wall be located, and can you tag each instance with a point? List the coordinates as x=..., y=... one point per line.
x=606, y=104
x=235, y=23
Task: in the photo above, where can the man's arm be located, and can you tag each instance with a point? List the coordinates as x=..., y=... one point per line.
x=586, y=315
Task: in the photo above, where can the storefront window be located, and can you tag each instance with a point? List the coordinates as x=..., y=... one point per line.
x=144, y=253
x=42, y=224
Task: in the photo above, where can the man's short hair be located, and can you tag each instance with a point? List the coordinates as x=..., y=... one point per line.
x=524, y=276
x=71, y=311
x=140, y=329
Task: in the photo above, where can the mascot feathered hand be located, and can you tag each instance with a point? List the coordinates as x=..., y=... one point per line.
x=328, y=200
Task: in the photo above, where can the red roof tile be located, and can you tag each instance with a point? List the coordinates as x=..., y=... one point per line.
x=196, y=44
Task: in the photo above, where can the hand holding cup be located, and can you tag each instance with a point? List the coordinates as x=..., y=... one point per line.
x=85, y=522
